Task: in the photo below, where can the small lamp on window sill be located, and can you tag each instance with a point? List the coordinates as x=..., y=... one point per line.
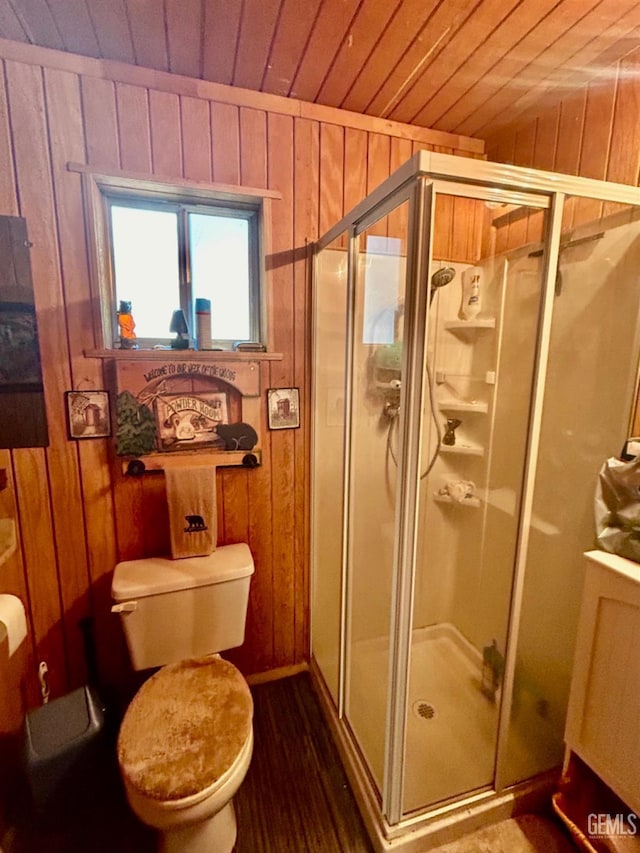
x=180, y=329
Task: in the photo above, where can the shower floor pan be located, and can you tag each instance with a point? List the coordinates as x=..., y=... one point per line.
x=451, y=725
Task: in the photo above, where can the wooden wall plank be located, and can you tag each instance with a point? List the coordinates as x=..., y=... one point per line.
x=365, y=30
x=355, y=179
x=574, y=41
x=378, y=165
x=468, y=37
x=259, y=640
x=37, y=205
x=307, y=187
x=280, y=165
x=624, y=159
x=221, y=28
x=196, y=139
x=546, y=145
x=112, y=30
x=103, y=149
x=401, y=151
x=148, y=33
x=234, y=483
x=225, y=138
x=434, y=32
x=523, y=155
x=332, y=143
x=10, y=25
x=487, y=101
x=594, y=154
x=8, y=203
x=37, y=22
x=253, y=147
x=295, y=24
x=263, y=594
x=398, y=37
x=133, y=128
x=335, y=19
x=443, y=228
x=452, y=99
x=254, y=43
x=75, y=27
x=185, y=35
x=13, y=578
x=39, y=553
x=100, y=122
x=569, y=146
x=166, y=142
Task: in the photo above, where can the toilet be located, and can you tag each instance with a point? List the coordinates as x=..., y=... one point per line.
x=186, y=739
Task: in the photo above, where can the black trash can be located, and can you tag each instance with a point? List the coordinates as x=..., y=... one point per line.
x=64, y=751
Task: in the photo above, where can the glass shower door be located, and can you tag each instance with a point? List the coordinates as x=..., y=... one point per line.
x=589, y=395
x=481, y=353
x=330, y=390
x=376, y=399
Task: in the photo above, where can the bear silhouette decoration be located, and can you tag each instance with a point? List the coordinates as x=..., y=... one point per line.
x=196, y=524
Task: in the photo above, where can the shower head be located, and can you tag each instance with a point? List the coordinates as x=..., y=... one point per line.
x=441, y=278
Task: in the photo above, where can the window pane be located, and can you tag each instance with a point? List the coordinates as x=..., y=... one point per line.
x=145, y=257
x=219, y=247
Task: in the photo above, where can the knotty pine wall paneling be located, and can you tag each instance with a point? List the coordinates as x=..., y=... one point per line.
x=77, y=514
x=595, y=134
x=307, y=190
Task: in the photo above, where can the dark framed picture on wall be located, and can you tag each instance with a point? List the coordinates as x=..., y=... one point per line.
x=88, y=414
x=283, y=407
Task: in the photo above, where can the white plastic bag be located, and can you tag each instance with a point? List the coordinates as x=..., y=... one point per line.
x=617, y=508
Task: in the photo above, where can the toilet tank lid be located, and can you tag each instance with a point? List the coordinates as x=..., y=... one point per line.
x=156, y=575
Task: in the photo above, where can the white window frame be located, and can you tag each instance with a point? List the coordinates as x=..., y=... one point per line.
x=100, y=188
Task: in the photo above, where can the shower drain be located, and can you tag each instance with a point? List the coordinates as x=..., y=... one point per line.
x=424, y=709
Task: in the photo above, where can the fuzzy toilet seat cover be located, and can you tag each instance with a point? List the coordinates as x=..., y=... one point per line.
x=184, y=728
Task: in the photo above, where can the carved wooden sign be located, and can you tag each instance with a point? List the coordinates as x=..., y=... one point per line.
x=178, y=404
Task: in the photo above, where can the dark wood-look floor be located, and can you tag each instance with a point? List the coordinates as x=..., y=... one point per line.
x=295, y=796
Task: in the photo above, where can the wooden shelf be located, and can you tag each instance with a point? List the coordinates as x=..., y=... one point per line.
x=192, y=458
x=462, y=449
x=445, y=499
x=181, y=355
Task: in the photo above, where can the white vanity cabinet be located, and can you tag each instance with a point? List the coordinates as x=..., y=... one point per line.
x=603, y=721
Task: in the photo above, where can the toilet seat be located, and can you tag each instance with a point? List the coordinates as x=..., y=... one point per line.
x=185, y=731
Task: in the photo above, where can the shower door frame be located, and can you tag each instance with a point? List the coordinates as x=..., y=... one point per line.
x=431, y=173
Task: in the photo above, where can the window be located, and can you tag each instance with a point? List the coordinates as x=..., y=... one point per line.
x=166, y=256
x=162, y=247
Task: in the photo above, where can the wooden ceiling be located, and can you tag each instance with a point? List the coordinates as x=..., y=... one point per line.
x=466, y=66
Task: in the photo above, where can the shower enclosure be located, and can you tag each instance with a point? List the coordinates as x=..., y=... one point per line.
x=476, y=336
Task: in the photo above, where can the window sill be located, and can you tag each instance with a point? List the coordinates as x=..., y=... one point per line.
x=181, y=355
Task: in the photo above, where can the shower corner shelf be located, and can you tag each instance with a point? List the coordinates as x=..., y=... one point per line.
x=445, y=499
x=463, y=327
x=450, y=404
x=463, y=449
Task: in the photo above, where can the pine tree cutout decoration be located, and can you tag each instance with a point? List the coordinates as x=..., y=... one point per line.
x=136, y=427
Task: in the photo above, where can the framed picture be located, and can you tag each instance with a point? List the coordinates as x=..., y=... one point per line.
x=283, y=407
x=19, y=350
x=88, y=414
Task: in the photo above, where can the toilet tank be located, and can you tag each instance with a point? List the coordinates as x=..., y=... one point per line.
x=176, y=609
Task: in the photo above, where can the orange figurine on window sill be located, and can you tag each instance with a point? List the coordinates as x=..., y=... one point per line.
x=126, y=325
